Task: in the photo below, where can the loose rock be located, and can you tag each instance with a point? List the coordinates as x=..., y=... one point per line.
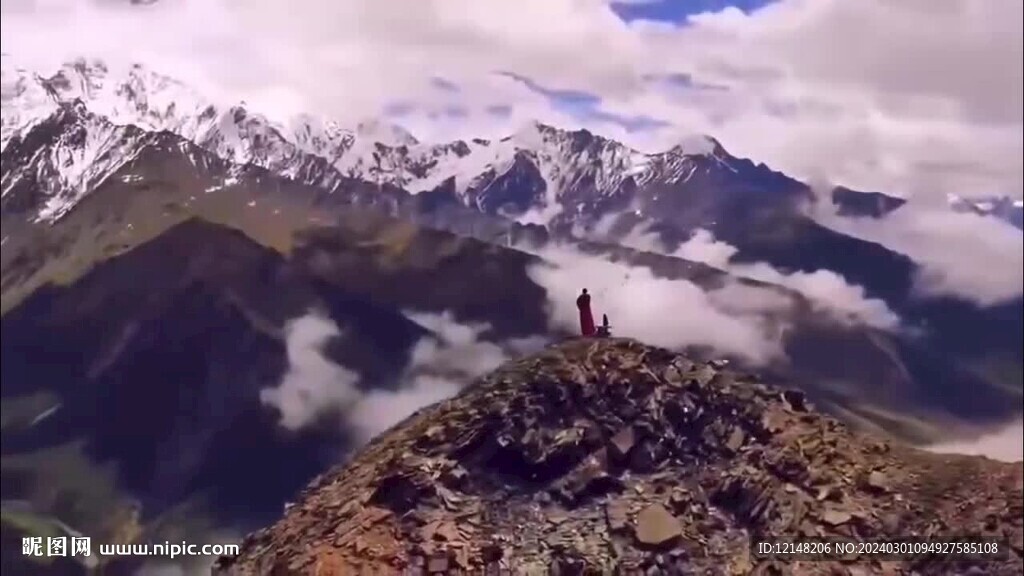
x=606, y=456
x=656, y=526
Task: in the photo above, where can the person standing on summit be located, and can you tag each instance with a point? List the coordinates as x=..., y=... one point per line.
x=587, y=327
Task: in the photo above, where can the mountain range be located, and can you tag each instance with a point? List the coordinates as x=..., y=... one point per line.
x=539, y=174
x=157, y=249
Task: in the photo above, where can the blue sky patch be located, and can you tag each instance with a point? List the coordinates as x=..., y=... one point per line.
x=683, y=80
x=398, y=109
x=630, y=123
x=584, y=105
x=402, y=108
x=453, y=111
x=568, y=101
x=677, y=10
x=500, y=110
x=444, y=84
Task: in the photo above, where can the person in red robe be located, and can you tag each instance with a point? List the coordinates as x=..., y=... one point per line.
x=587, y=327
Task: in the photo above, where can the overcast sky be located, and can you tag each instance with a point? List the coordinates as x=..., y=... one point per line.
x=908, y=96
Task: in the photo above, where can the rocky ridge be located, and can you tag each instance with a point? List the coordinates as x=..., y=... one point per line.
x=611, y=457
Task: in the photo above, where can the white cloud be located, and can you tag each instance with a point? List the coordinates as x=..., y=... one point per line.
x=743, y=299
x=931, y=104
x=703, y=247
x=440, y=365
x=456, y=347
x=1006, y=444
x=382, y=409
x=825, y=289
x=313, y=384
x=961, y=254
x=658, y=311
x=828, y=291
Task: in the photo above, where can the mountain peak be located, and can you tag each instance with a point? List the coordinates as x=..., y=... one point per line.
x=554, y=460
x=698, y=145
x=385, y=133
x=531, y=134
x=536, y=134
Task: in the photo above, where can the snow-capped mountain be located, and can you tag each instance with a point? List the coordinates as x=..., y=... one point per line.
x=539, y=174
x=91, y=119
x=48, y=169
x=63, y=157
x=154, y=103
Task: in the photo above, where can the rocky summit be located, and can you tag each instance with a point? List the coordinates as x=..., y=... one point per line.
x=606, y=456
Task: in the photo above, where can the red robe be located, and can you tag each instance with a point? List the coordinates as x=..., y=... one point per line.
x=587, y=327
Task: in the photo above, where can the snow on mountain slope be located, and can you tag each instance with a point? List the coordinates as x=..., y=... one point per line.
x=63, y=157
x=545, y=162
x=152, y=102
x=538, y=175
x=48, y=168
x=530, y=174
x=26, y=101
